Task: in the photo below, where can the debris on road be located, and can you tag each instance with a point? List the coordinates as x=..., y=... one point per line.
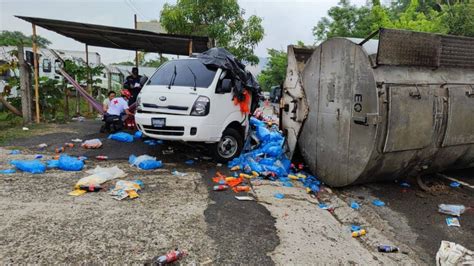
x=455, y=184
x=138, y=134
x=51, y=164
x=279, y=195
x=177, y=173
x=359, y=233
x=126, y=189
x=38, y=156
x=92, y=144
x=453, y=221
x=76, y=140
x=121, y=137
x=451, y=254
x=387, y=249
x=42, y=146
x=68, y=163
x=25, y=129
x=244, y=198
x=14, y=152
x=189, y=162
x=451, y=209
x=102, y=157
x=405, y=184
x=238, y=189
x=144, y=162
x=31, y=166
x=355, y=205
x=378, y=203
x=220, y=187
x=97, y=177
x=171, y=257
x=8, y=171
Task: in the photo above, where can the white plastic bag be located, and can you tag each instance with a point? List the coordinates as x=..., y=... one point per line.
x=451, y=254
x=100, y=175
x=451, y=209
x=92, y=144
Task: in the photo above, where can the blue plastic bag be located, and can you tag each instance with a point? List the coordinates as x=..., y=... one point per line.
x=150, y=164
x=32, y=166
x=255, y=122
x=279, y=196
x=68, y=163
x=355, y=205
x=14, y=152
x=378, y=203
x=263, y=133
x=8, y=171
x=138, y=134
x=52, y=164
x=121, y=136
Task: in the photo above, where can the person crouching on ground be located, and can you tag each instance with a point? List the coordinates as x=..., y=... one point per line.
x=116, y=108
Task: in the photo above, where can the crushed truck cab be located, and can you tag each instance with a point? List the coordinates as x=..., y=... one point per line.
x=187, y=101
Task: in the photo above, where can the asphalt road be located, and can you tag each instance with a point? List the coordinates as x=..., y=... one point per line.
x=244, y=232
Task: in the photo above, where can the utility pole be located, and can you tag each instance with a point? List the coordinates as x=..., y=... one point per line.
x=135, y=26
x=35, y=60
x=89, y=85
x=25, y=86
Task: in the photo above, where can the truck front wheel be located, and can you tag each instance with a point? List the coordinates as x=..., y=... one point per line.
x=229, y=146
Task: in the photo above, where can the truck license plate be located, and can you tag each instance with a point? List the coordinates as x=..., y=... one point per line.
x=158, y=122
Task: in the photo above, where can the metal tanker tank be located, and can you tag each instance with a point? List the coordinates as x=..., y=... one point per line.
x=372, y=110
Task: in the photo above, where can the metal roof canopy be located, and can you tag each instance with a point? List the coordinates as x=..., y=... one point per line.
x=123, y=38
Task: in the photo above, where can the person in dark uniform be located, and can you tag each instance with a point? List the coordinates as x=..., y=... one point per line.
x=132, y=83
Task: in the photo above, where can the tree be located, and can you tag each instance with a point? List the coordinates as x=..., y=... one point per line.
x=221, y=20
x=346, y=20
x=15, y=38
x=155, y=62
x=275, y=70
x=459, y=18
x=18, y=39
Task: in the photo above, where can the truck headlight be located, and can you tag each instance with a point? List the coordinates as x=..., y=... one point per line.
x=139, y=103
x=201, y=106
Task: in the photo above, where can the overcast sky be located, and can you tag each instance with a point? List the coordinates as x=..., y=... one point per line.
x=285, y=21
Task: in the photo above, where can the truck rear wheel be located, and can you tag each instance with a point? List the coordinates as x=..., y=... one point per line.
x=229, y=146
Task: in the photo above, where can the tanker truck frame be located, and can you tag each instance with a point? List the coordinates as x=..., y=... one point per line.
x=373, y=110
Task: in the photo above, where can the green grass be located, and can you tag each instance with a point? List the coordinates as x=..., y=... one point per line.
x=11, y=128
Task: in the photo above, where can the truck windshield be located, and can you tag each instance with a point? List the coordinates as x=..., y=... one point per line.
x=184, y=77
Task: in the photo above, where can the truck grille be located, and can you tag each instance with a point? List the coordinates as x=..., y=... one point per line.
x=166, y=131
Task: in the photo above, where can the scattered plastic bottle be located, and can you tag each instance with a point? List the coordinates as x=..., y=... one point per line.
x=59, y=150
x=42, y=145
x=170, y=257
x=359, y=233
x=69, y=145
x=102, y=157
x=387, y=249
x=220, y=187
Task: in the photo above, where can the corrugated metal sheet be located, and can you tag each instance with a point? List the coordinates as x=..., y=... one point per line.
x=409, y=48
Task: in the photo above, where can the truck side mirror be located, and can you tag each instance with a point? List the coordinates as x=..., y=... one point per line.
x=225, y=86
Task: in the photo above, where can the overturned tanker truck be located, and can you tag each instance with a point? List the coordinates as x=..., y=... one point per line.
x=372, y=110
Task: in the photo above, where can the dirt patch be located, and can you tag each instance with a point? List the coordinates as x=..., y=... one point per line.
x=40, y=223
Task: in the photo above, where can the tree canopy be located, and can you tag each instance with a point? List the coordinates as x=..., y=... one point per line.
x=347, y=20
x=221, y=20
x=275, y=70
x=15, y=38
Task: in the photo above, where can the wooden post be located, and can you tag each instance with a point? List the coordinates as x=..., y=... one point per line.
x=135, y=26
x=89, y=85
x=25, y=86
x=190, y=47
x=35, y=60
